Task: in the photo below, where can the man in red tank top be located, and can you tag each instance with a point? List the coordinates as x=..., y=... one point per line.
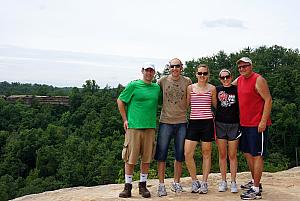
x=255, y=103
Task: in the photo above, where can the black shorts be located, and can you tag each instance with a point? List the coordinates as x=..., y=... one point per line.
x=253, y=142
x=227, y=131
x=201, y=130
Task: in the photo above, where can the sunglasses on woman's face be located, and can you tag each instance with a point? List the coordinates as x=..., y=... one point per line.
x=202, y=73
x=226, y=77
x=175, y=66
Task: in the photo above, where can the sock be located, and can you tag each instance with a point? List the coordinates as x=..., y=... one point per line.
x=161, y=184
x=143, y=177
x=128, y=178
x=252, y=180
x=256, y=189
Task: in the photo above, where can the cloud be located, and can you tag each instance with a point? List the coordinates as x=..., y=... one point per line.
x=67, y=68
x=226, y=22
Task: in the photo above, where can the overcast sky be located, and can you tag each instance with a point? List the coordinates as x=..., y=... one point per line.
x=160, y=29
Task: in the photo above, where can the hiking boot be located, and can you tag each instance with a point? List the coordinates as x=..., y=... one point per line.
x=251, y=195
x=161, y=191
x=204, y=188
x=223, y=186
x=233, y=187
x=126, y=193
x=176, y=187
x=196, y=186
x=143, y=190
x=248, y=186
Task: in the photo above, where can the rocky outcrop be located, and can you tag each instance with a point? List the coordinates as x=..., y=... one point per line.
x=29, y=99
x=279, y=186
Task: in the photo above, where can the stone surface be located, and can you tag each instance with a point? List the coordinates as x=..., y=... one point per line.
x=277, y=186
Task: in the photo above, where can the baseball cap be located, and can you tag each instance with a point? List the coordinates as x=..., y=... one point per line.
x=148, y=65
x=244, y=59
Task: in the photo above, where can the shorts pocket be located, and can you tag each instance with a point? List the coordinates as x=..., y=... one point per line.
x=125, y=154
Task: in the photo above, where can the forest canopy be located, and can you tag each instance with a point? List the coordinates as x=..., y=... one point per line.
x=46, y=147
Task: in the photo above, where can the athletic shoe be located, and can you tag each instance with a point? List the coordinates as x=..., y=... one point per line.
x=176, y=187
x=233, y=187
x=223, y=186
x=251, y=195
x=248, y=186
x=196, y=186
x=179, y=188
x=204, y=188
x=161, y=191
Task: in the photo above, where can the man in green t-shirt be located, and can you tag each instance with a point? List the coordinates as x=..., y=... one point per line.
x=137, y=104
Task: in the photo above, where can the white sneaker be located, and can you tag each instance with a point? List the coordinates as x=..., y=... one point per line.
x=196, y=186
x=176, y=187
x=204, y=188
x=161, y=191
x=234, y=187
x=179, y=188
x=223, y=186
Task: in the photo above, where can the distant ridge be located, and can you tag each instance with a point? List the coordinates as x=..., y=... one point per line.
x=68, y=68
x=30, y=99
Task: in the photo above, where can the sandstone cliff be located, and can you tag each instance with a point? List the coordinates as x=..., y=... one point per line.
x=279, y=186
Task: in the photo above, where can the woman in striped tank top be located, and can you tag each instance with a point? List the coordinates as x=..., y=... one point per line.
x=201, y=96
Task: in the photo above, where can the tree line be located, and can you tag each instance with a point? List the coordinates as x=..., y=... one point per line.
x=46, y=147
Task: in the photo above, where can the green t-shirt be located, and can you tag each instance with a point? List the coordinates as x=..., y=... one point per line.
x=141, y=100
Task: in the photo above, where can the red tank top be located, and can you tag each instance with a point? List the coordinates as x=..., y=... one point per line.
x=251, y=103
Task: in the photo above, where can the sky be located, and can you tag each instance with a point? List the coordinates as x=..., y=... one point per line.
x=79, y=34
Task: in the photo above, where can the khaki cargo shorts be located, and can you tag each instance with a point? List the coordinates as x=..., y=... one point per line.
x=139, y=143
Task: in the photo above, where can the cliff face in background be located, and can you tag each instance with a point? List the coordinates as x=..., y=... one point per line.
x=28, y=99
x=283, y=185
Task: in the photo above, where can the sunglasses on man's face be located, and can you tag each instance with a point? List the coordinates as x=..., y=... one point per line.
x=243, y=66
x=175, y=66
x=202, y=73
x=225, y=77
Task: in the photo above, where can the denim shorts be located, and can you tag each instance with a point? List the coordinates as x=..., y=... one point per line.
x=165, y=133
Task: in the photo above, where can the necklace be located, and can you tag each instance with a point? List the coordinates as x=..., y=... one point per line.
x=201, y=87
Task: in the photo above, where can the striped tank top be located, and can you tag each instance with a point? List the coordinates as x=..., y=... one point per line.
x=201, y=105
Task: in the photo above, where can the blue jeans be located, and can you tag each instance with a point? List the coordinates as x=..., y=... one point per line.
x=165, y=133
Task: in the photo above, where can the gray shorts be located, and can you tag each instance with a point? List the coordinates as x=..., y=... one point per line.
x=228, y=131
